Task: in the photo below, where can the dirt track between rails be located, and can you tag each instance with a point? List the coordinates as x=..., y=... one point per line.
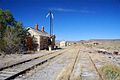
x=76, y=63
x=79, y=63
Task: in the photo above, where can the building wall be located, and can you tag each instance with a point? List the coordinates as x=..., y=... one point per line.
x=42, y=40
x=63, y=43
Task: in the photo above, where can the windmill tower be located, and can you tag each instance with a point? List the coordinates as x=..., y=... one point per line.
x=52, y=37
x=50, y=14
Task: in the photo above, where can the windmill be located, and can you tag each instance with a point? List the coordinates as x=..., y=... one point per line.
x=51, y=21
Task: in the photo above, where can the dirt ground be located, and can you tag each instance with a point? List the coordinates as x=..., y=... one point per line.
x=63, y=67
x=80, y=62
x=16, y=58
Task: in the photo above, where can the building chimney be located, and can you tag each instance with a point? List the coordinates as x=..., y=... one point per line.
x=42, y=29
x=36, y=27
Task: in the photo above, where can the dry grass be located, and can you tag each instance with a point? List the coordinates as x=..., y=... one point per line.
x=110, y=72
x=109, y=45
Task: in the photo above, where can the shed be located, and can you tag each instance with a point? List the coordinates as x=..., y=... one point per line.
x=63, y=43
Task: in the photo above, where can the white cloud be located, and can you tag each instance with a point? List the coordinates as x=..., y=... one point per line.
x=64, y=10
x=72, y=10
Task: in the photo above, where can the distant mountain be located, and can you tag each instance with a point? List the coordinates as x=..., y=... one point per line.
x=57, y=41
x=104, y=40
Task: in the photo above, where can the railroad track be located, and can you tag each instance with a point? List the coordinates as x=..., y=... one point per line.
x=74, y=63
x=100, y=76
x=25, y=61
x=68, y=70
x=10, y=72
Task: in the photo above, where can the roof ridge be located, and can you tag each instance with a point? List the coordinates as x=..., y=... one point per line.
x=40, y=32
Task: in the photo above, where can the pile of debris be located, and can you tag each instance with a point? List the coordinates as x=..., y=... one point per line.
x=107, y=52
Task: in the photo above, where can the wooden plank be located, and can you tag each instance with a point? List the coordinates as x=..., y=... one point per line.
x=6, y=72
x=5, y=75
x=2, y=78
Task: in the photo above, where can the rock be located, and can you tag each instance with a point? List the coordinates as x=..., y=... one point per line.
x=115, y=52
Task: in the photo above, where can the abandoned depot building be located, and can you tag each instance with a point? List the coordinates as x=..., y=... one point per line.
x=42, y=38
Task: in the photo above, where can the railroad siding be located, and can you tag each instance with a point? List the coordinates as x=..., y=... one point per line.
x=84, y=69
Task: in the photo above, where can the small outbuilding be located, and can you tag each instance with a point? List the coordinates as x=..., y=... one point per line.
x=63, y=43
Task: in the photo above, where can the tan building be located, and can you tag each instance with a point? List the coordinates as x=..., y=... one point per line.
x=63, y=43
x=42, y=38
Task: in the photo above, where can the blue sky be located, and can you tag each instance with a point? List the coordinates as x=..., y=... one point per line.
x=73, y=19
